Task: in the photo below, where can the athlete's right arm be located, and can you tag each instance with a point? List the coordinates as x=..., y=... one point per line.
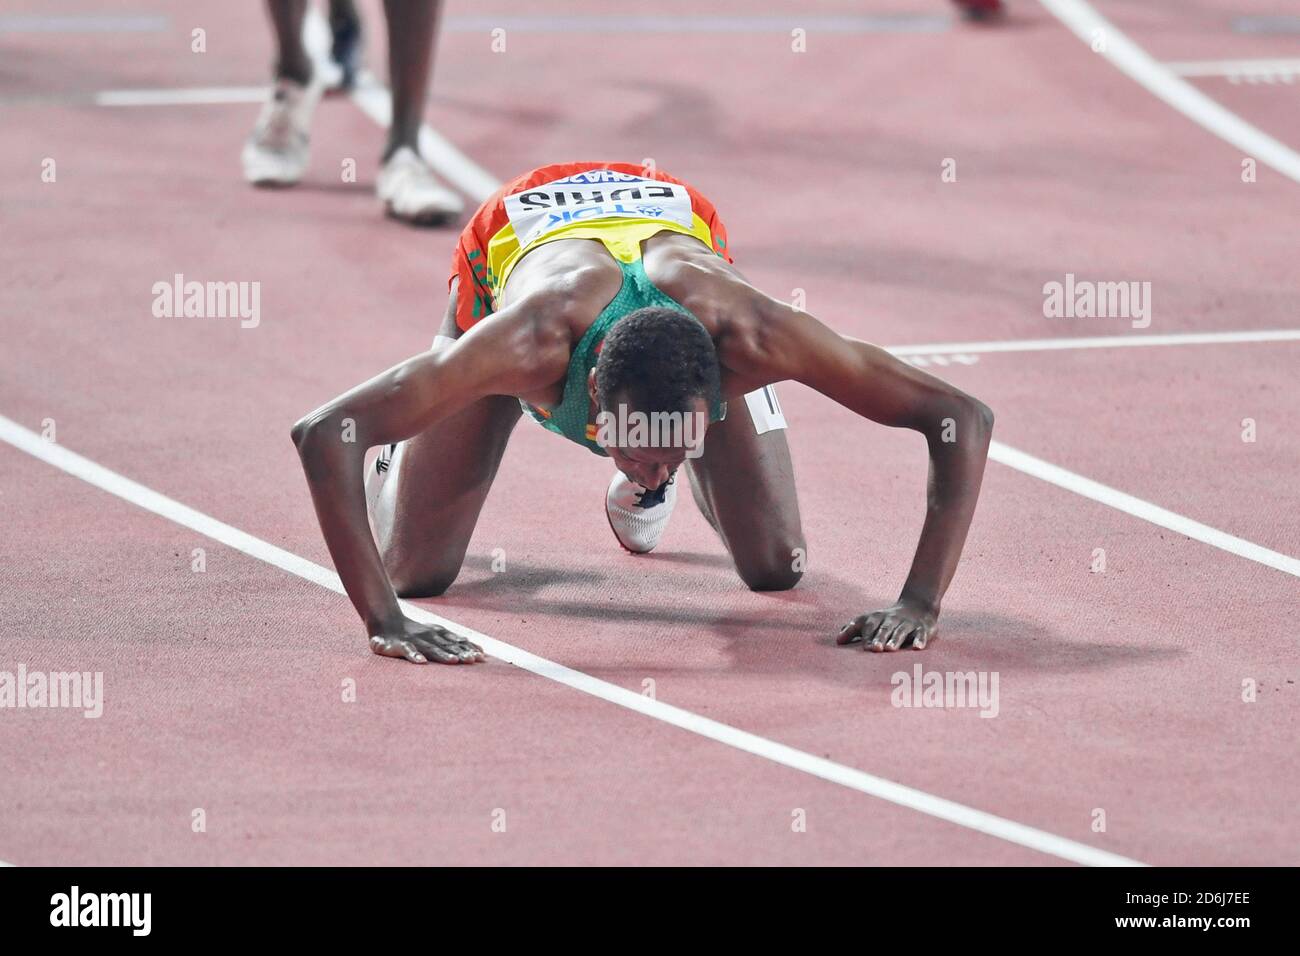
x=518, y=350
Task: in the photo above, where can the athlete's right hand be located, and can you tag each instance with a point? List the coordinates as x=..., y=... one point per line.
x=422, y=643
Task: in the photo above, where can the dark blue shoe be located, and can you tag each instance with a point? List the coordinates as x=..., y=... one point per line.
x=345, y=50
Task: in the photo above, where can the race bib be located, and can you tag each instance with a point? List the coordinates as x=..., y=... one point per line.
x=595, y=194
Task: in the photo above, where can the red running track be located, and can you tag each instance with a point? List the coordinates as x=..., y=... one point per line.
x=1120, y=691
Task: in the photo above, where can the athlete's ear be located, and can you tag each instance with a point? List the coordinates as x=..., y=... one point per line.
x=591, y=387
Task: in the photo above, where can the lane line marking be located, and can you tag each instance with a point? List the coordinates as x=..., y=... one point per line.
x=137, y=494
x=1139, y=508
x=654, y=23
x=1266, y=24
x=1140, y=66
x=376, y=102
x=1244, y=68
x=469, y=177
x=1098, y=342
x=193, y=96
x=82, y=23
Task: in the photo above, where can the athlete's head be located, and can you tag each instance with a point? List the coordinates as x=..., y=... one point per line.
x=654, y=383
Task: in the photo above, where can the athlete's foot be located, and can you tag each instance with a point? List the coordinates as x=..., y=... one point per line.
x=411, y=192
x=277, y=152
x=638, y=516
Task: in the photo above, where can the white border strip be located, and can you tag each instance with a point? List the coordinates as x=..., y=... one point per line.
x=913, y=799
x=1141, y=67
x=1145, y=510
x=1098, y=342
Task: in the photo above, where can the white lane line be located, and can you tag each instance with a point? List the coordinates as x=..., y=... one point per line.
x=1266, y=24
x=1247, y=69
x=466, y=175
x=115, y=484
x=82, y=23
x=1098, y=342
x=194, y=96
x=374, y=99
x=1138, y=508
x=1140, y=66
x=605, y=23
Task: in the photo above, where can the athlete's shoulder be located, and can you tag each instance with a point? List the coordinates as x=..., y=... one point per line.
x=744, y=322
x=708, y=286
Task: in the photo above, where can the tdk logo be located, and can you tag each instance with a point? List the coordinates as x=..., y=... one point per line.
x=594, y=212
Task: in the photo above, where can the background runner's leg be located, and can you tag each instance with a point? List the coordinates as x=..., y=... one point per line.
x=412, y=28
x=292, y=60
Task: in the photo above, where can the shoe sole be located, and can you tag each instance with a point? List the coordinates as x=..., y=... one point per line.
x=610, y=522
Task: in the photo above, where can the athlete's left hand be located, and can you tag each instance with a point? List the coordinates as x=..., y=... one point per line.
x=906, y=623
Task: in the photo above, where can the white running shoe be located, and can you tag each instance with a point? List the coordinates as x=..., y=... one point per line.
x=279, y=149
x=636, y=516
x=410, y=191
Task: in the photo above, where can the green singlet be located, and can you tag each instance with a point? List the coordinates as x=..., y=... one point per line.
x=572, y=416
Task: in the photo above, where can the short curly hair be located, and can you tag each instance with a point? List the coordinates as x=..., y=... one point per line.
x=660, y=360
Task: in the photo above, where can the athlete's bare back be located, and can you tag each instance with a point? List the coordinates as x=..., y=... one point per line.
x=580, y=277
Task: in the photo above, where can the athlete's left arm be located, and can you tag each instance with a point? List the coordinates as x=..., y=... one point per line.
x=784, y=343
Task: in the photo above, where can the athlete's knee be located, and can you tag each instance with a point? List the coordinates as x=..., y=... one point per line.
x=427, y=584
x=777, y=569
x=418, y=578
x=771, y=579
